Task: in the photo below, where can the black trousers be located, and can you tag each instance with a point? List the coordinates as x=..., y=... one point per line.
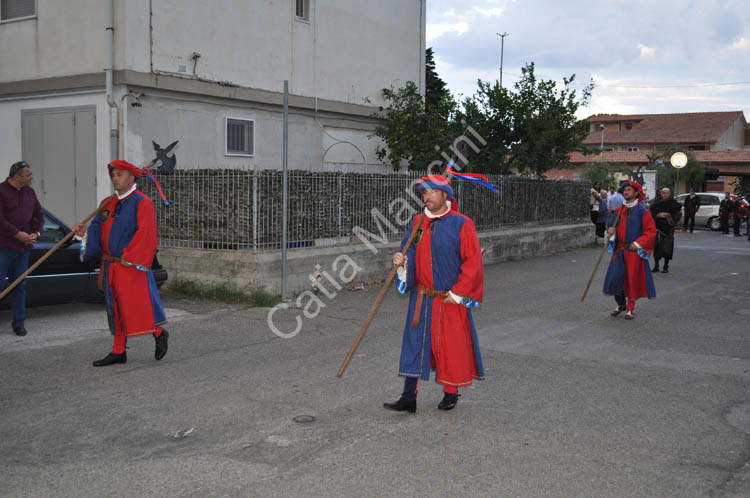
x=737, y=222
x=690, y=222
x=724, y=224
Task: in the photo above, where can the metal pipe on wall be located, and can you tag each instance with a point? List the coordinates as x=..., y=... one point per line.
x=285, y=191
x=108, y=70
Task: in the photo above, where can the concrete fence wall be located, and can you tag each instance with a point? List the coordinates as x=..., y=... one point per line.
x=335, y=265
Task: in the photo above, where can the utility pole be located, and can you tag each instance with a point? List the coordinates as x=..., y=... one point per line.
x=502, y=50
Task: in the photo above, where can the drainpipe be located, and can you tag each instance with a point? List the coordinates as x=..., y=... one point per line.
x=108, y=70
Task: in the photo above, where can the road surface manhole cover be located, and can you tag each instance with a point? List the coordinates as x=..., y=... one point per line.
x=304, y=419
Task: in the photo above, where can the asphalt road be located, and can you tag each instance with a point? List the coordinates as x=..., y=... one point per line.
x=575, y=403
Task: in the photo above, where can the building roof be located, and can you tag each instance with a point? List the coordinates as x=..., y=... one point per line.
x=654, y=129
x=641, y=157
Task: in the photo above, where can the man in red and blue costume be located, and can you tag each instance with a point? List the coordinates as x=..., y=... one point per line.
x=444, y=275
x=629, y=276
x=123, y=233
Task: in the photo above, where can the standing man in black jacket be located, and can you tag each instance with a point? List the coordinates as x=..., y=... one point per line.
x=725, y=207
x=666, y=212
x=692, y=205
x=737, y=214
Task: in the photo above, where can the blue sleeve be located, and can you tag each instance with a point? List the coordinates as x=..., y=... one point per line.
x=407, y=278
x=92, y=242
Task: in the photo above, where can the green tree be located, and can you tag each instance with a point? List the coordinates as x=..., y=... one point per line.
x=410, y=131
x=605, y=172
x=531, y=129
x=436, y=91
x=666, y=174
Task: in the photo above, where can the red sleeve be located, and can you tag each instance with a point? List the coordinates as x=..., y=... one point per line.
x=142, y=247
x=471, y=277
x=648, y=239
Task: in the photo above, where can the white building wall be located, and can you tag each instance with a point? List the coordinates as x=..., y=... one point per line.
x=199, y=125
x=65, y=38
x=348, y=52
x=733, y=138
x=11, y=133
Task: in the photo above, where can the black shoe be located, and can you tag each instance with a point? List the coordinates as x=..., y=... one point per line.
x=111, y=359
x=402, y=405
x=655, y=269
x=161, y=345
x=449, y=401
x=19, y=331
x=665, y=270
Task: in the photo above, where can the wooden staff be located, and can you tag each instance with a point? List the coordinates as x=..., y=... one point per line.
x=601, y=254
x=49, y=253
x=380, y=297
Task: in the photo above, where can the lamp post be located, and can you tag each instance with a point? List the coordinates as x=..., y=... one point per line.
x=502, y=50
x=600, y=127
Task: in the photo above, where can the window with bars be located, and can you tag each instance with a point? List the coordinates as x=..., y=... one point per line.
x=240, y=135
x=17, y=9
x=302, y=10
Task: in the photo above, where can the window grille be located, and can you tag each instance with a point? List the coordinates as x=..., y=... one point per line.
x=240, y=137
x=15, y=9
x=302, y=10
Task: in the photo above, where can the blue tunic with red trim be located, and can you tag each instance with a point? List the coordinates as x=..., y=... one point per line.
x=127, y=229
x=628, y=274
x=445, y=257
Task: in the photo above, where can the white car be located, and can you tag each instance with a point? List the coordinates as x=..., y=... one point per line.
x=708, y=213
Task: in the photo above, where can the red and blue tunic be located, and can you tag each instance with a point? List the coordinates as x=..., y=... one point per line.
x=445, y=257
x=126, y=229
x=628, y=274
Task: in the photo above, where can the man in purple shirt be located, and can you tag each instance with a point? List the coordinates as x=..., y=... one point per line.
x=21, y=223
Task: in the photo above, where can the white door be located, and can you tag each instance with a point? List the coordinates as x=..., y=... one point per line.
x=60, y=146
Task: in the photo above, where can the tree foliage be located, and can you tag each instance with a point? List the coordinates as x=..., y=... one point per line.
x=666, y=174
x=605, y=172
x=410, y=131
x=529, y=129
x=436, y=91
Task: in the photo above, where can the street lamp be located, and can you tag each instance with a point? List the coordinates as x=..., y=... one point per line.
x=502, y=50
x=600, y=127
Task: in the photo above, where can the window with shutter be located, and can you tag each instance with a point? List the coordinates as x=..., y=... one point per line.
x=240, y=137
x=17, y=9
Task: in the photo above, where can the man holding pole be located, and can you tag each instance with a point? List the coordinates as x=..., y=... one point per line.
x=124, y=234
x=21, y=223
x=443, y=272
x=629, y=276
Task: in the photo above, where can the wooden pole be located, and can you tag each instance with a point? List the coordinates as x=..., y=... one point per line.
x=49, y=253
x=379, y=299
x=601, y=254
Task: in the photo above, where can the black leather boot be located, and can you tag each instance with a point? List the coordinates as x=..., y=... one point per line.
x=402, y=405
x=161, y=345
x=111, y=359
x=449, y=401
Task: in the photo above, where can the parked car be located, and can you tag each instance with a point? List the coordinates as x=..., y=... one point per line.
x=708, y=214
x=62, y=278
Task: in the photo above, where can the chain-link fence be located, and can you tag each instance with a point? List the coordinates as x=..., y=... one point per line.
x=242, y=209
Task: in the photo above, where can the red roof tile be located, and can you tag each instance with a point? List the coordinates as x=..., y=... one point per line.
x=684, y=128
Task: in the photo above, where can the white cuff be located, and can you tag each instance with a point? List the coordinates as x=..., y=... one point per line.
x=637, y=245
x=455, y=297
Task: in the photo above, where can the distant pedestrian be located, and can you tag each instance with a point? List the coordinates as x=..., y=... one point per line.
x=628, y=276
x=666, y=212
x=595, y=199
x=737, y=214
x=21, y=224
x=614, y=201
x=724, y=213
x=603, y=211
x=124, y=235
x=691, y=207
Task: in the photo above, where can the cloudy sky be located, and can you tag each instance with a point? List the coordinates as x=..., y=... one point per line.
x=645, y=56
